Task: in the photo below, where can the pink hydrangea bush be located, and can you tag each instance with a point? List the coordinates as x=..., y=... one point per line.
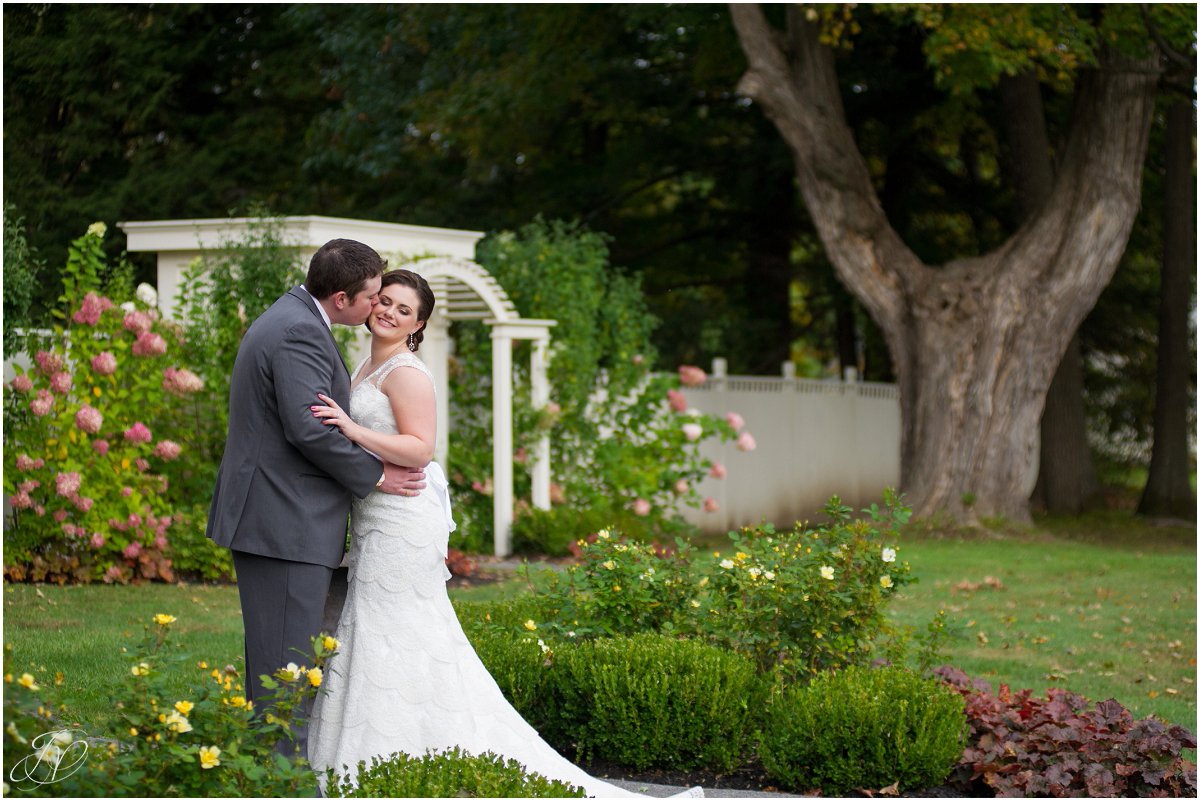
x=86, y=440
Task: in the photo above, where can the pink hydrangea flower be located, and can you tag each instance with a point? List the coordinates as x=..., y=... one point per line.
x=104, y=363
x=20, y=501
x=735, y=421
x=718, y=470
x=60, y=382
x=49, y=362
x=24, y=462
x=692, y=431
x=39, y=510
x=60, y=515
x=134, y=519
x=82, y=504
x=141, y=464
x=710, y=505
x=100, y=446
x=681, y=487
x=160, y=542
x=22, y=383
x=553, y=408
x=92, y=307
x=29, y=486
x=112, y=574
x=43, y=403
x=677, y=402
x=138, y=433
x=126, y=491
x=132, y=550
x=149, y=344
x=89, y=419
x=521, y=456
x=98, y=540
x=181, y=382
x=168, y=450
x=691, y=376
x=67, y=484
x=745, y=442
x=641, y=507
x=556, y=493
x=138, y=321
x=638, y=358
x=70, y=529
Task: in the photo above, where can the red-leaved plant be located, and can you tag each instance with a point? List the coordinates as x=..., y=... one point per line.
x=1061, y=746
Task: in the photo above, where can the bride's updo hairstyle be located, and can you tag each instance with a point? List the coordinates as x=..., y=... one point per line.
x=425, y=298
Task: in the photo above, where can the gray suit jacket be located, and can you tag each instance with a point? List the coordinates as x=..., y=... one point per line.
x=285, y=483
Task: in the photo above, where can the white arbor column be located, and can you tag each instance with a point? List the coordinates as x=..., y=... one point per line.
x=435, y=352
x=502, y=440
x=540, y=396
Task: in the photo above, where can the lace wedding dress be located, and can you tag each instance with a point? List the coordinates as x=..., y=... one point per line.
x=405, y=677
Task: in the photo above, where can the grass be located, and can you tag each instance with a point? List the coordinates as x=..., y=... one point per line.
x=1104, y=606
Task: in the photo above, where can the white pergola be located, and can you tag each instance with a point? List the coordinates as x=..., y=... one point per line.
x=464, y=291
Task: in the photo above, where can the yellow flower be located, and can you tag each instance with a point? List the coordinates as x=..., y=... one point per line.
x=885, y=581
x=314, y=677
x=27, y=682
x=164, y=620
x=8, y=678
x=827, y=573
x=184, y=707
x=289, y=673
x=602, y=534
x=609, y=565
x=530, y=625
x=96, y=391
x=178, y=723
x=202, y=665
x=616, y=588
x=329, y=643
x=210, y=757
x=97, y=229
x=727, y=564
x=140, y=669
x=695, y=604
x=741, y=557
x=237, y=700
x=769, y=576
x=133, y=732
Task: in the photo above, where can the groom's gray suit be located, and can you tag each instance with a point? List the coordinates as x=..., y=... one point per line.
x=284, y=488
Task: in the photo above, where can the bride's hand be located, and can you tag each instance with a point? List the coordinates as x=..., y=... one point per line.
x=334, y=416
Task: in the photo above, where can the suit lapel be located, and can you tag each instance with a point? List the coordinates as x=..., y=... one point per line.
x=311, y=304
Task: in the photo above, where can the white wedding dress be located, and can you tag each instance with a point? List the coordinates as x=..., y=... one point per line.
x=405, y=677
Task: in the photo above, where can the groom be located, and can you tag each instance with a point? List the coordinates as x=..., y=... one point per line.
x=284, y=488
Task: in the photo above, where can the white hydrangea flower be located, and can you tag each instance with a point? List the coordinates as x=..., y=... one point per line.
x=147, y=294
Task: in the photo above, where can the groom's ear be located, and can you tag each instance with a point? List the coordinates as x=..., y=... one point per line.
x=339, y=300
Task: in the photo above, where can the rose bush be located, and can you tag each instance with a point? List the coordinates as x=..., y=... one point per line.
x=93, y=432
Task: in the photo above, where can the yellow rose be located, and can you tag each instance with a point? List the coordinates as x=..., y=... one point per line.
x=530, y=625
x=609, y=565
x=27, y=682
x=314, y=677
x=164, y=620
x=885, y=581
x=210, y=757
x=184, y=707
x=178, y=723
x=329, y=643
x=238, y=700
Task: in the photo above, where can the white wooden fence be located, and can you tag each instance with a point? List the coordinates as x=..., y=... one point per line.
x=814, y=439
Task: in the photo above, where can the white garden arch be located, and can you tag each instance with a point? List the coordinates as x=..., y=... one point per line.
x=464, y=291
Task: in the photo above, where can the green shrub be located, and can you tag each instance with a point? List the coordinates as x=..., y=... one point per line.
x=863, y=729
x=449, y=774
x=556, y=531
x=524, y=669
x=654, y=701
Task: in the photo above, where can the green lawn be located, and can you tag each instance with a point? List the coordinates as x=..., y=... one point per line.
x=1104, y=608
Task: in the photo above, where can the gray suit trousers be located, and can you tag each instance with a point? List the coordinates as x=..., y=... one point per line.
x=283, y=606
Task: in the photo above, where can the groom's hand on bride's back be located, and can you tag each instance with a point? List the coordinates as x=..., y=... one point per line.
x=399, y=480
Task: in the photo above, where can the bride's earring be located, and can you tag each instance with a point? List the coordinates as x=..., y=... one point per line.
x=412, y=344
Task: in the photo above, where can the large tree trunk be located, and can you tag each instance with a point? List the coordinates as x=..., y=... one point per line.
x=975, y=342
x=1067, y=482
x=1168, y=491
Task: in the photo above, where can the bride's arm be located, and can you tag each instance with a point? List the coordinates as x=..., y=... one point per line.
x=410, y=393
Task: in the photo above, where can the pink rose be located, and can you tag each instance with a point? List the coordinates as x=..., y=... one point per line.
x=718, y=470
x=43, y=403
x=138, y=322
x=149, y=344
x=49, y=362
x=181, y=382
x=556, y=493
x=89, y=419
x=676, y=400
x=98, y=540
x=132, y=550
x=745, y=442
x=521, y=456
x=692, y=431
x=735, y=421
x=104, y=363
x=168, y=450
x=710, y=505
x=100, y=446
x=641, y=507
x=67, y=484
x=681, y=487
x=22, y=383
x=691, y=376
x=485, y=488
x=83, y=504
x=138, y=433
x=553, y=408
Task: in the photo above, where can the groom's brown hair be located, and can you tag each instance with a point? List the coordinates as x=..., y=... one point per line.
x=342, y=265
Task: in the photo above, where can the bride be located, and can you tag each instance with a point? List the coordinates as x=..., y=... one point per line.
x=405, y=677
